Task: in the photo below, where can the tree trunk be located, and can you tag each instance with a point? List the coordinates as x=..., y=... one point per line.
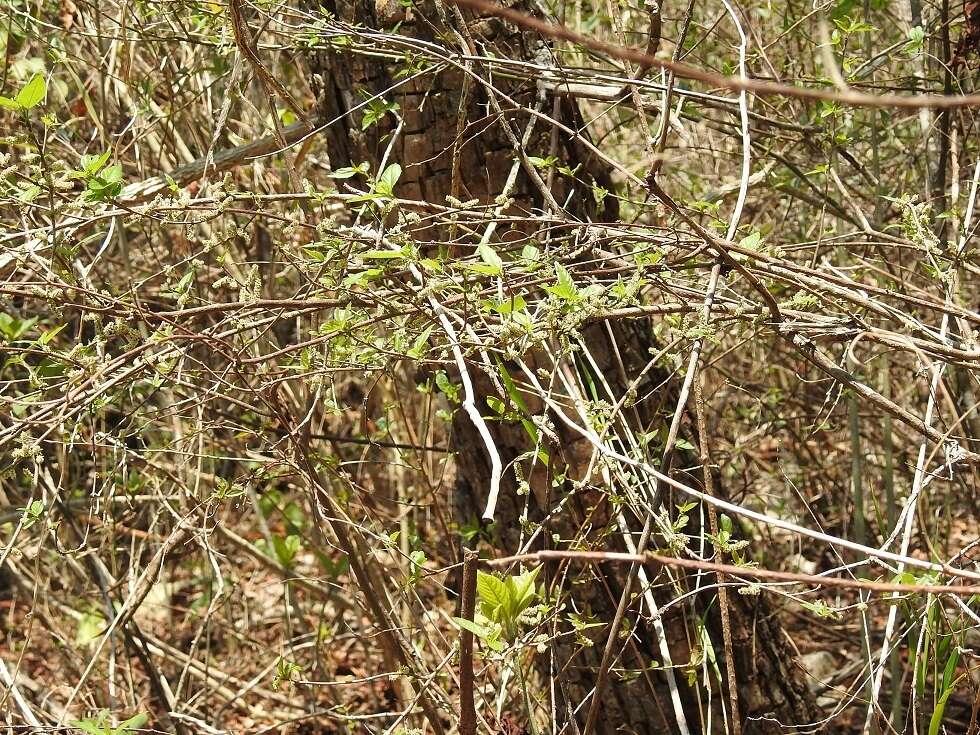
x=453, y=143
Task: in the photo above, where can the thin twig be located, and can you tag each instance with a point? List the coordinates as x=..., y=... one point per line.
x=467, y=707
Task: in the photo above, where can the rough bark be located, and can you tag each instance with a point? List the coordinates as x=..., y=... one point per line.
x=431, y=107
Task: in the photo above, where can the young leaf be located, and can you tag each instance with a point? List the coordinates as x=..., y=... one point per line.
x=492, y=265
x=384, y=254
x=492, y=592
x=32, y=93
x=93, y=727
x=286, y=548
x=421, y=344
x=92, y=164
x=509, y=305
x=565, y=289
x=113, y=174
x=386, y=182
x=90, y=628
x=134, y=722
x=524, y=589
x=538, y=162
x=29, y=192
x=496, y=405
x=512, y=392
x=478, y=630
x=751, y=241
x=347, y=172
x=489, y=256
x=936, y=721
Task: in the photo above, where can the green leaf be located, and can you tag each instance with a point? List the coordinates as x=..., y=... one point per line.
x=13, y=328
x=564, y=277
x=566, y=289
x=482, y=269
x=134, y=722
x=524, y=591
x=185, y=282
x=478, y=630
x=751, y=242
x=32, y=93
x=950, y=669
x=490, y=636
x=32, y=513
x=936, y=721
x=421, y=344
x=90, y=627
x=492, y=593
x=286, y=548
x=103, y=185
x=509, y=305
x=489, y=256
x=496, y=405
x=538, y=162
x=113, y=174
x=28, y=193
x=385, y=185
x=91, y=164
x=384, y=254
x=286, y=673
x=347, y=172
x=93, y=727
x=512, y=392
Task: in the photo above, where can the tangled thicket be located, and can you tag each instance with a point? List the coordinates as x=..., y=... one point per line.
x=666, y=312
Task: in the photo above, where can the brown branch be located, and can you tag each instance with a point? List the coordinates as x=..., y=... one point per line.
x=246, y=44
x=224, y=160
x=726, y=625
x=808, y=350
x=737, y=84
x=467, y=709
x=615, y=557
